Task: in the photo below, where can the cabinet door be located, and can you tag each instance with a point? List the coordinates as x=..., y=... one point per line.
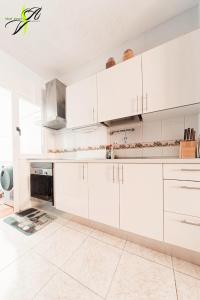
x=141, y=200
x=182, y=197
x=22, y=195
x=171, y=73
x=183, y=231
x=120, y=90
x=82, y=103
x=103, y=193
x=70, y=188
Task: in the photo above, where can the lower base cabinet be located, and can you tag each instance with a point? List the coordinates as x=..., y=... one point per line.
x=103, y=193
x=125, y=196
x=182, y=230
x=141, y=199
x=130, y=197
x=71, y=188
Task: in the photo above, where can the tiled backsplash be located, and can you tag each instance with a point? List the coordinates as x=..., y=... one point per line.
x=150, y=138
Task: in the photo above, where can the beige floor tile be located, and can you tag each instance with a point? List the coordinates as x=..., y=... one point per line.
x=140, y=279
x=93, y=265
x=8, y=229
x=60, y=245
x=12, y=245
x=5, y=210
x=42, y=234
x=25, y=277
x=188, y=288
x=62, y=221
x=186, y=267
x=33, y=239
x=61, y=286
x=108, y=239
x=148, y=253
x=79, y=227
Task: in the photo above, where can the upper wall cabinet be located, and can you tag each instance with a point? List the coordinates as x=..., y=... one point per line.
x=120, y=90
x=82, y=103
x=171, y=73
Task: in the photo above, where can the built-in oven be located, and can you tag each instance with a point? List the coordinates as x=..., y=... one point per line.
x=42, y=181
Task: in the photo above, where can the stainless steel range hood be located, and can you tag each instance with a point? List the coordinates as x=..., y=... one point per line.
x=54, y=105
x=123, y=121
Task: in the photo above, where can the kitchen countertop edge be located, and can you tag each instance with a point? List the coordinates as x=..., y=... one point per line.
x=126, y=160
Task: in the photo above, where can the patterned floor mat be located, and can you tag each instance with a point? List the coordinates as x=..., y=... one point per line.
x=30, y=221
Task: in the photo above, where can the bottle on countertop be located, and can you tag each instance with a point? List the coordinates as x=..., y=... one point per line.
x=109, y=152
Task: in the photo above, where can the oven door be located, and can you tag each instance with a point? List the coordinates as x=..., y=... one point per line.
x=42, y=187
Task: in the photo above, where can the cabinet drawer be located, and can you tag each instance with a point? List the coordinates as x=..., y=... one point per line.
x=182, y=231
x=182, y=171
x=182, y=197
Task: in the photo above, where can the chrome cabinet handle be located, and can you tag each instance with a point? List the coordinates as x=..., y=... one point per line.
x=190, y=223
x=113, y=173
x=137, y=104
x=189, y=187
x=118, y=173
x=122, y=174
x=190, y=170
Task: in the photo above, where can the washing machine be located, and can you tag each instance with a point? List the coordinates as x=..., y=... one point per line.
x=6, y=184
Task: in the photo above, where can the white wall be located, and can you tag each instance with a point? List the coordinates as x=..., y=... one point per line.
x=21, y=82
x=85, y=138
x=19, y=79
x=181, y=24
x=156, y=130
x=151, y=130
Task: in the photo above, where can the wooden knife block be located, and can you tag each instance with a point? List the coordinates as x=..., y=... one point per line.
x=187, y=149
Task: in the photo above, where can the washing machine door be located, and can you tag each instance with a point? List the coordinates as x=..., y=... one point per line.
x=6, y=178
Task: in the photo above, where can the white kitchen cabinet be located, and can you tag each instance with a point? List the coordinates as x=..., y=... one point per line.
x=182, y=171
x=182, y=197
x=82, y=103
x=171, y=73
x=182, y=230
x=104, y=193
x=71, y=188
x=141, y=199
x=120, y=90
x=22, y=193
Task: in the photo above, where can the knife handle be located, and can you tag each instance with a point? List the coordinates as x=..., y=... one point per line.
x=185, y=134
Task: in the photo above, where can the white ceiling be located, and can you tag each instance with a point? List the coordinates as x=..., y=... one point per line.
x=72, y=33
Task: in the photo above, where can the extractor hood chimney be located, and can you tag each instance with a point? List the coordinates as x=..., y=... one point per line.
x=54, y=105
